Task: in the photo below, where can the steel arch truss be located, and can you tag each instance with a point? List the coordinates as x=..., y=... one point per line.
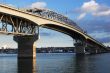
x=16, y=25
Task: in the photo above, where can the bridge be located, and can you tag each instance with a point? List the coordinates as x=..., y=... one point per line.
x=24, y=25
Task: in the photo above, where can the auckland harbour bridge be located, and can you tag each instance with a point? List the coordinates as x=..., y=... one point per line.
x=24, y=25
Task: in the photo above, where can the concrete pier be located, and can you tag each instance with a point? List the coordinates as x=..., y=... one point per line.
x=79, y=49
x=93, y=51
x=26, y=46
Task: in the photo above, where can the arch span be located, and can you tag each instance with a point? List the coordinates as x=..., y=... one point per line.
x=64, y=30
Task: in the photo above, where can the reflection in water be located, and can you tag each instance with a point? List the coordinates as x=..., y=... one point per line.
x=88, y=64
x=56, y=63
x=26, y=65
x=81, y=64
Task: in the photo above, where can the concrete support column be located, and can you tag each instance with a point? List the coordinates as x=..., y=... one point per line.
x=79, y=49
x=93, y=51
x=98, y=50
x=26, y=46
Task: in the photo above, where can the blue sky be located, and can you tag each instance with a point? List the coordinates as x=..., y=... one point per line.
x=91, y=15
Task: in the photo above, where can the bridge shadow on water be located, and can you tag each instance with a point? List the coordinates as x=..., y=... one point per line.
x=86, y=64
x=80, y=64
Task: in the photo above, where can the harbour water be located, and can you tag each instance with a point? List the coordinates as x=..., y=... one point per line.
x=56, y=63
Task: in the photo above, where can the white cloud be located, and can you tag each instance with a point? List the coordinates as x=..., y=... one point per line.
x=100, y=35
x=11, y=5
x=90, y=6
x=38, y=5
x=103, y=13
x=81, y=16
x=94, y=8
x=107, y=44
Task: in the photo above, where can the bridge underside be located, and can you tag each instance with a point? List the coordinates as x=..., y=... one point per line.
x=64, y=30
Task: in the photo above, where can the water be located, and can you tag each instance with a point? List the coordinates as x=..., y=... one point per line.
x=56, y=63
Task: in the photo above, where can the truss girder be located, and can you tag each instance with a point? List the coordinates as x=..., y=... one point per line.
x=16, y=25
